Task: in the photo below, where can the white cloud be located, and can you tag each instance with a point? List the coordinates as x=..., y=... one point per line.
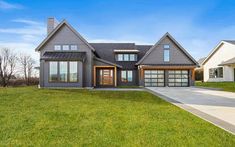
x=6, y=6
x=26, y=21
x=24, y=39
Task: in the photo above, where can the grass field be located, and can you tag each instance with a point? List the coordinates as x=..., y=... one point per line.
x=226, y=86
x=46, y=117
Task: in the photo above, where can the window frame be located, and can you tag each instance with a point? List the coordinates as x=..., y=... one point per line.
x=58, y=72
x=49, y=72
x=166, y=59
x=74, y=46
x=67, y=46
x=216, y=72
x=57, y=45
x=126, y=76
x=128, y=57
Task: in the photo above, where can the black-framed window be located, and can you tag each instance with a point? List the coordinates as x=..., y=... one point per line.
x=126, y=75
x=53, y=71
x=66, y=47
x=166, y=52
x=126, y=57
x=63, y=71
x=216, y=72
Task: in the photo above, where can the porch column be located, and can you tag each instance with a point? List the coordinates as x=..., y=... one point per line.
x=94, y=76
x=115, y=76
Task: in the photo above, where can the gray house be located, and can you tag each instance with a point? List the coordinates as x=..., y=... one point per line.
x=68, y=60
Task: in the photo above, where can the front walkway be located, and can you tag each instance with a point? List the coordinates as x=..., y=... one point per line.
x=217, y=107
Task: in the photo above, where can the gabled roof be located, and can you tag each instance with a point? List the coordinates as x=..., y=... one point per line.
x=230, y=41
x=216, y=49
x=201, y=60
x=64, y=22
x=164, y=36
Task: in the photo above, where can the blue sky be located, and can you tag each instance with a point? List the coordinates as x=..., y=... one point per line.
x=197, y=24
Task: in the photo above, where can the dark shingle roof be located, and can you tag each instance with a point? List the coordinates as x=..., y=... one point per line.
x=201, y=60
x=106, y=51
x=76, y=56
x=230, y=41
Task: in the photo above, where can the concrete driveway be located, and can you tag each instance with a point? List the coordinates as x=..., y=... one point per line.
x=217, y=107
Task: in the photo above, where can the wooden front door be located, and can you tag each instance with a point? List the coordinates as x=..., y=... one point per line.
x=105, y=77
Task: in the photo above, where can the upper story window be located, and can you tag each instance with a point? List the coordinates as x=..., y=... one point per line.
x=74, y=47
x=126, y=57
x=166, y=46
x=57, y=47
x=65, y=47
x=166, y=53
x=120, y=57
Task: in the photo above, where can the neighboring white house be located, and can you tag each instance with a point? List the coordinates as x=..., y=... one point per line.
x=219, y=65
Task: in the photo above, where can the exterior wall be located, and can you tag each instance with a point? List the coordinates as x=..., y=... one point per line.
x=62, y=84
x=176, y=55
x=135, y=80
x=66, y=36
x=224, y=52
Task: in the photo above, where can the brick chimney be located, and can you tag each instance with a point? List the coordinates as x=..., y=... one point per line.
x=51, y=24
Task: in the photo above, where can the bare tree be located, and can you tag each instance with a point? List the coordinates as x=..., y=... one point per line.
x=26, y=63
x=7, y=65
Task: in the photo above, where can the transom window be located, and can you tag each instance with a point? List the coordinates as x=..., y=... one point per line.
x=65, y=47
x=63, y=71
x=166, y=46
x=74, y=47
x=126, y=57
x=126, y=75
x=216, y=72
x=57, y=47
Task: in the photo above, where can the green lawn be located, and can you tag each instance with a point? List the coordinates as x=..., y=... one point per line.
x=39, y=117
x=226, y=86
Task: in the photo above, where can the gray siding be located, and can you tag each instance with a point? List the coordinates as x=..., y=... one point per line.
x=66, y=36
x=176, y=54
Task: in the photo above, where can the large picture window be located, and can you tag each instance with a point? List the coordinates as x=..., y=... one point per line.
x=53, y=72
x=216, y=72
x=73, y=68
x=63, y=72
x=126, y=75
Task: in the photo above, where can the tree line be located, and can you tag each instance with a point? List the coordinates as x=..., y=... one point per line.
x=12, y=63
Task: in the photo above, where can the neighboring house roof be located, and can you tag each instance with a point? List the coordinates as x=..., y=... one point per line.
x=230, y=61
x=107, y=62
x=60, y=55
x=180, y=47
x=201, y=60
x=64, y=22
x=216, y=49
x=230, y=41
